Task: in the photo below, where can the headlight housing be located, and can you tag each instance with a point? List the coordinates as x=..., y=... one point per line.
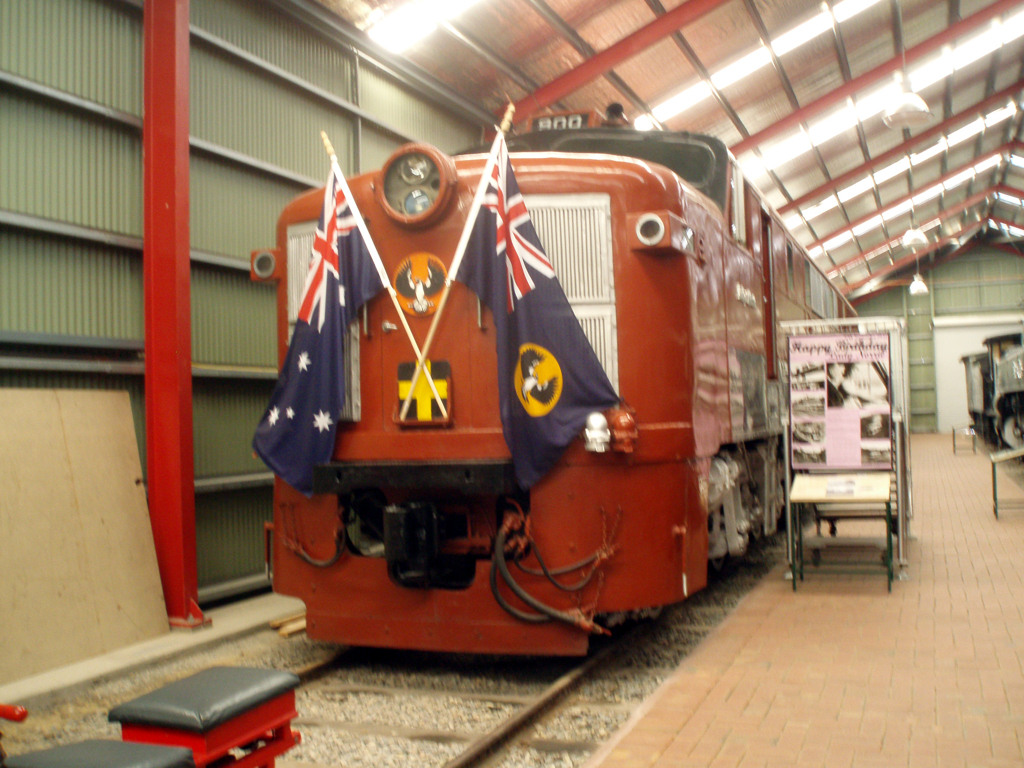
x=416, y=184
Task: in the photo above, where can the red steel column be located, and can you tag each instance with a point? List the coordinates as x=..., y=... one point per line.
x=166, y=278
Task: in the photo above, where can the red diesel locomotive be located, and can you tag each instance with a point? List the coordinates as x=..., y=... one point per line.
x=417, y=534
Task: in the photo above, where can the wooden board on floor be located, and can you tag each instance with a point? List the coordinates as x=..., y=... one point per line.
x=78, y=571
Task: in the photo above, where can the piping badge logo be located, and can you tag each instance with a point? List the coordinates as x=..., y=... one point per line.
x=418, y=281
x=538, y=380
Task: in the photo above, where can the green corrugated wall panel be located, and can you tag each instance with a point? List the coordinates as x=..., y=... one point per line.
x=235, y=107
x=69, y=167
x=395, y=105
x=919, y=324
x=229, y=533
x=56, y=285
x=889, y=303
x=225, y=413
x=377, y=147
x=920, y=348
x=276, y=38
x=234, y=320
x=922, y=374
x=90, y=48
x=133, y=385
x=232, y=211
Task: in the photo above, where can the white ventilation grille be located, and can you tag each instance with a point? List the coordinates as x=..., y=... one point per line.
x=300, y=248
x=576, y=232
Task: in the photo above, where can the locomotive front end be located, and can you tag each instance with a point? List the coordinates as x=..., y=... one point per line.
x=420, y=531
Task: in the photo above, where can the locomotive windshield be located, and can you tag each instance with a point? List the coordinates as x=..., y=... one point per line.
x=701, y=161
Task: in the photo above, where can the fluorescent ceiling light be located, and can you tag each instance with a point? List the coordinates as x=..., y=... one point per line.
x=414, y=21
x=1009, y=199
x=1017, y=160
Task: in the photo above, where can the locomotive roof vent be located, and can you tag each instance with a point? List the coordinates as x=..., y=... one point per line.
x=416, y=185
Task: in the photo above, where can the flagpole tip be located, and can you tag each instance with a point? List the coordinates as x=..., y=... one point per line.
x=328, y=146
x=506, y=121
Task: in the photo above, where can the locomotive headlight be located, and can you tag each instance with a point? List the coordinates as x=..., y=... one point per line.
x=596, y=434
x=416, y=184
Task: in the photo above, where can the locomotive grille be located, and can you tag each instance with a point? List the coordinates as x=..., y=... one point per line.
x=300, y=248
x=576, y=231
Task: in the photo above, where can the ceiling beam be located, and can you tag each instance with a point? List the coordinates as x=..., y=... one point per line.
x=904, y=149
x=894, y=64
x=626, y=48
x=910, y=196
x=966, y=232
x=843, y=267
x=899, y=282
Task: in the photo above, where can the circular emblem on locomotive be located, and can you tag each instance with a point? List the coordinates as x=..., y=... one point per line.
x=538, y=380
x=419, y=281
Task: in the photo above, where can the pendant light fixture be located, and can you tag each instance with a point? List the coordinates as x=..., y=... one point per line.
x=908, y=110
x=913, y=239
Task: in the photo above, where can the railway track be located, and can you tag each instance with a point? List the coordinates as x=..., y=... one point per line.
x=382, y=709
x=362, y=708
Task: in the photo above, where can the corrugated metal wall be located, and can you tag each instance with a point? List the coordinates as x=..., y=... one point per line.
x=982, y=281
x=263, y=85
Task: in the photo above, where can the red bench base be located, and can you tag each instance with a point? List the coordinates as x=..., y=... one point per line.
x=250, y=740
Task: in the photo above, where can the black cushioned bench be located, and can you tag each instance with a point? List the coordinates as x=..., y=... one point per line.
x=240, y=717
x=105, y=754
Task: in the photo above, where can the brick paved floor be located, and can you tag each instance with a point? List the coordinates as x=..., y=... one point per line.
x=841, y=674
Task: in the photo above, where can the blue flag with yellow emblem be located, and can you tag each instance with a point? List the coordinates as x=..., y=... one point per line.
x=549, y=378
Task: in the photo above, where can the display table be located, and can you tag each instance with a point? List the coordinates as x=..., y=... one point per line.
x=850, y=496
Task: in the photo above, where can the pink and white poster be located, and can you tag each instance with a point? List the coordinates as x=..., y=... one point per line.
x=840, y=409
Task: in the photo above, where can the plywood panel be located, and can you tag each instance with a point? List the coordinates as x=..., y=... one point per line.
x=78, y=572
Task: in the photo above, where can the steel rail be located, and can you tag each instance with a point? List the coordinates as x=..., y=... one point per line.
x=483, y=747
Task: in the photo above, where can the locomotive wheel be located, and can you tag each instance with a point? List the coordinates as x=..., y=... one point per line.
x=1012, y=434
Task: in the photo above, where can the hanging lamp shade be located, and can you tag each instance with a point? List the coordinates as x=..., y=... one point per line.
x=914, y=239
x=917, y=286
x=908, y=111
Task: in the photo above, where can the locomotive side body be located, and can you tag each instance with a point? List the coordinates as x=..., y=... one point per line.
x=995, y=389
x=419, y=536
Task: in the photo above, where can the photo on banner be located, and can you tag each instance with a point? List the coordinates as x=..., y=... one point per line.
x=840, y=402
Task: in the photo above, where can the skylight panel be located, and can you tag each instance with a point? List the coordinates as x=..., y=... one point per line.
x=897, y=210
x=847, y=9
x=856, y=189
x=997, y=116
x=962, y=134
x=682, y=101
x=929, y=194
x=802, y=33
x=938, y=148
x=892, y=171
x=866, y=226
x=740, y=69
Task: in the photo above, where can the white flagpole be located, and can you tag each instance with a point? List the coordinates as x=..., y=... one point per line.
x=460, y=250
x=381, y=272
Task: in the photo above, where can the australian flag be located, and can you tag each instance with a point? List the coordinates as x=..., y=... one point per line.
x=549, y=378
x=298, y=429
